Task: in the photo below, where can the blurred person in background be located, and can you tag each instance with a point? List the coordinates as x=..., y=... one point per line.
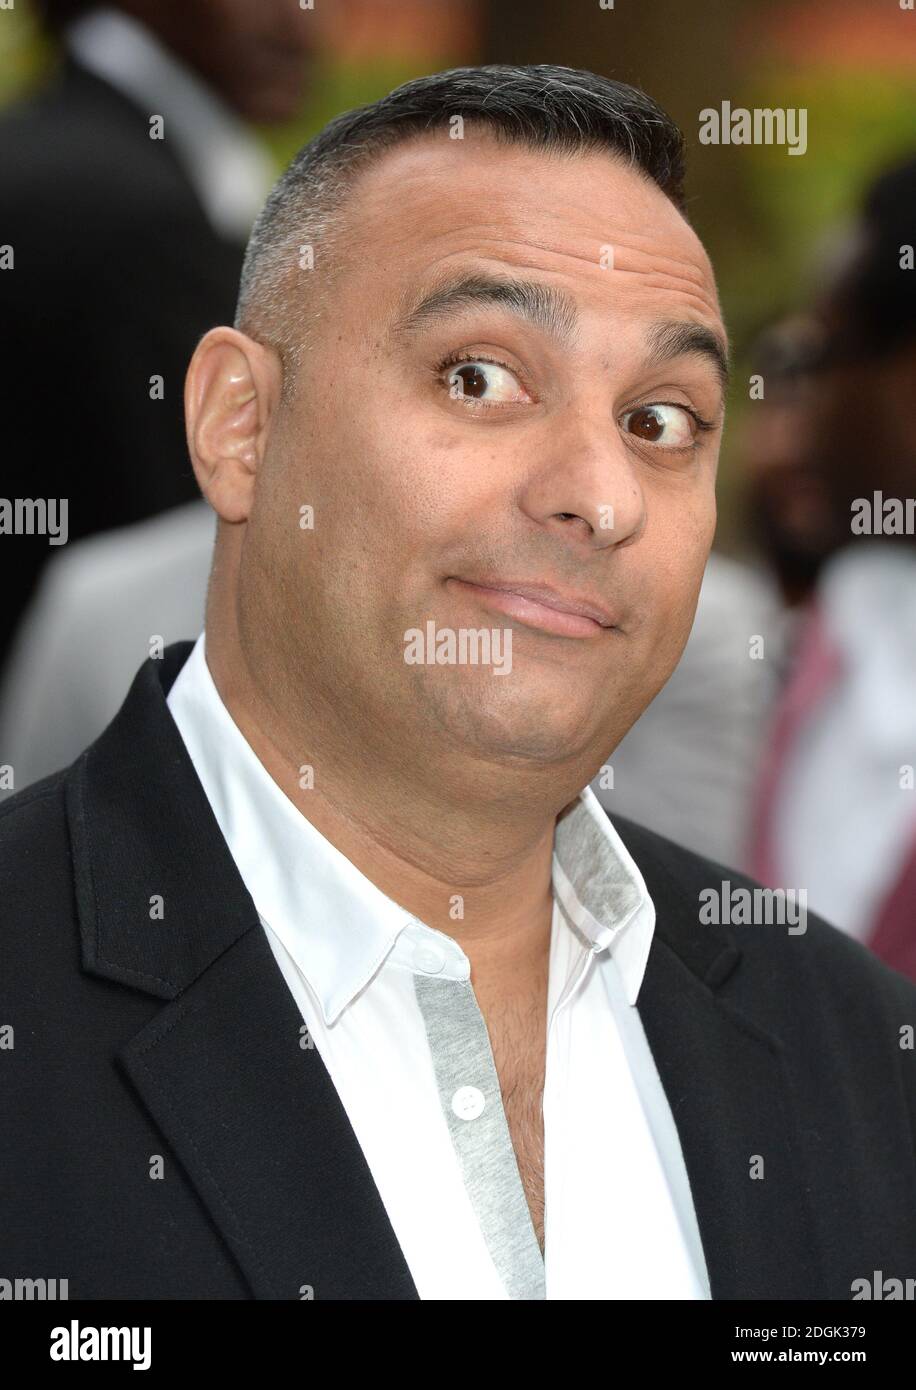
x=687, y=767
x=785, y=494
x=128, y=185
x=100, y=607
x=836, y=805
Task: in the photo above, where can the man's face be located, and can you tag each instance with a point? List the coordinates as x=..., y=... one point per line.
x=426, y=499
x=859, y=425
x=256, y=55
x=786, y=493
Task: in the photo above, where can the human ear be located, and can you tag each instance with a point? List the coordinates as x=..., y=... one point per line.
x=231, y=394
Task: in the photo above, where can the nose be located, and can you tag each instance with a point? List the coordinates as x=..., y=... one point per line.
x=586, y=489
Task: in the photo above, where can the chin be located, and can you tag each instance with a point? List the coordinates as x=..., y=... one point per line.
x=516, y=733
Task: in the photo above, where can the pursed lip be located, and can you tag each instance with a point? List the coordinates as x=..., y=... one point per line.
x=549, y=597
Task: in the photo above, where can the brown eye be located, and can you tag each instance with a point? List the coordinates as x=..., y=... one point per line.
x=664, y=424
x=468, y=380
x=647, y=425
x=477, y=379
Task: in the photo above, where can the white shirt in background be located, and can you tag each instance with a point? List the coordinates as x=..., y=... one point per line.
x=227, y=165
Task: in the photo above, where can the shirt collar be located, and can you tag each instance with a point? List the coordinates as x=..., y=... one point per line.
x=229, y=168
x=601, y=890
x=335, y=923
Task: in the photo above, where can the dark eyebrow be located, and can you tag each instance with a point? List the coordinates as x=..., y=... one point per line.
x=545, y=306
x=670, y=338
x=556, y=312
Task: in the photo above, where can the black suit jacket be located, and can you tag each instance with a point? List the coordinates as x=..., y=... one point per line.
x=137, y=1037
x=117, y=274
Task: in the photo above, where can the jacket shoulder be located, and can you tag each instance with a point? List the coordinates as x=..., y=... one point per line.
x=34, y=842
x=814, y=955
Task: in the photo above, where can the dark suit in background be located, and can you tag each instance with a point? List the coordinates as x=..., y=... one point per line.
x=117, y=274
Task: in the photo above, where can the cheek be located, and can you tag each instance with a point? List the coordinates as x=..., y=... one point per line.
x=674, y=571
x=682, y=523
x=423, y=481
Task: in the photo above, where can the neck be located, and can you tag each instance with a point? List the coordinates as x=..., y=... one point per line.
x=479, y=870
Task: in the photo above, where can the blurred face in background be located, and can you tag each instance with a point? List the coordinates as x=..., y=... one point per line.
x=860, y=421
x=787, y=495
x=254, y=53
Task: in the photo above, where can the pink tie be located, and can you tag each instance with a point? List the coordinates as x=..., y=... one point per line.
x=893, y=936
x=819, y=664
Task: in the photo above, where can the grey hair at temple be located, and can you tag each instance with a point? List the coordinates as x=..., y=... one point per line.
x=560, y=110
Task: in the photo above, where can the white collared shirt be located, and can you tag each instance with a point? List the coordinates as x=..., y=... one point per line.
x=228, y=167
x=387, y=1003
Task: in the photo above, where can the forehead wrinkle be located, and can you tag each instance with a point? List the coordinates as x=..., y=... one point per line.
x=687, y=278
x=677, y=276
x=546, y=306
x=688, y=296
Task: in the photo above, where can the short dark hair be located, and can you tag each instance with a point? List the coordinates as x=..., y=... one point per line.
x=55, y=15
x=542, y=106
x=876, y=298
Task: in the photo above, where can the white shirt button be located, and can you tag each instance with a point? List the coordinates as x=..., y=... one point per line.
x=428, y=959
x=468, y=1102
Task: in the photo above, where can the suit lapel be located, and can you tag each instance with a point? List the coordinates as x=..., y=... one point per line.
x=260, y=1130
x=727, y=1083
x=253, y=1117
